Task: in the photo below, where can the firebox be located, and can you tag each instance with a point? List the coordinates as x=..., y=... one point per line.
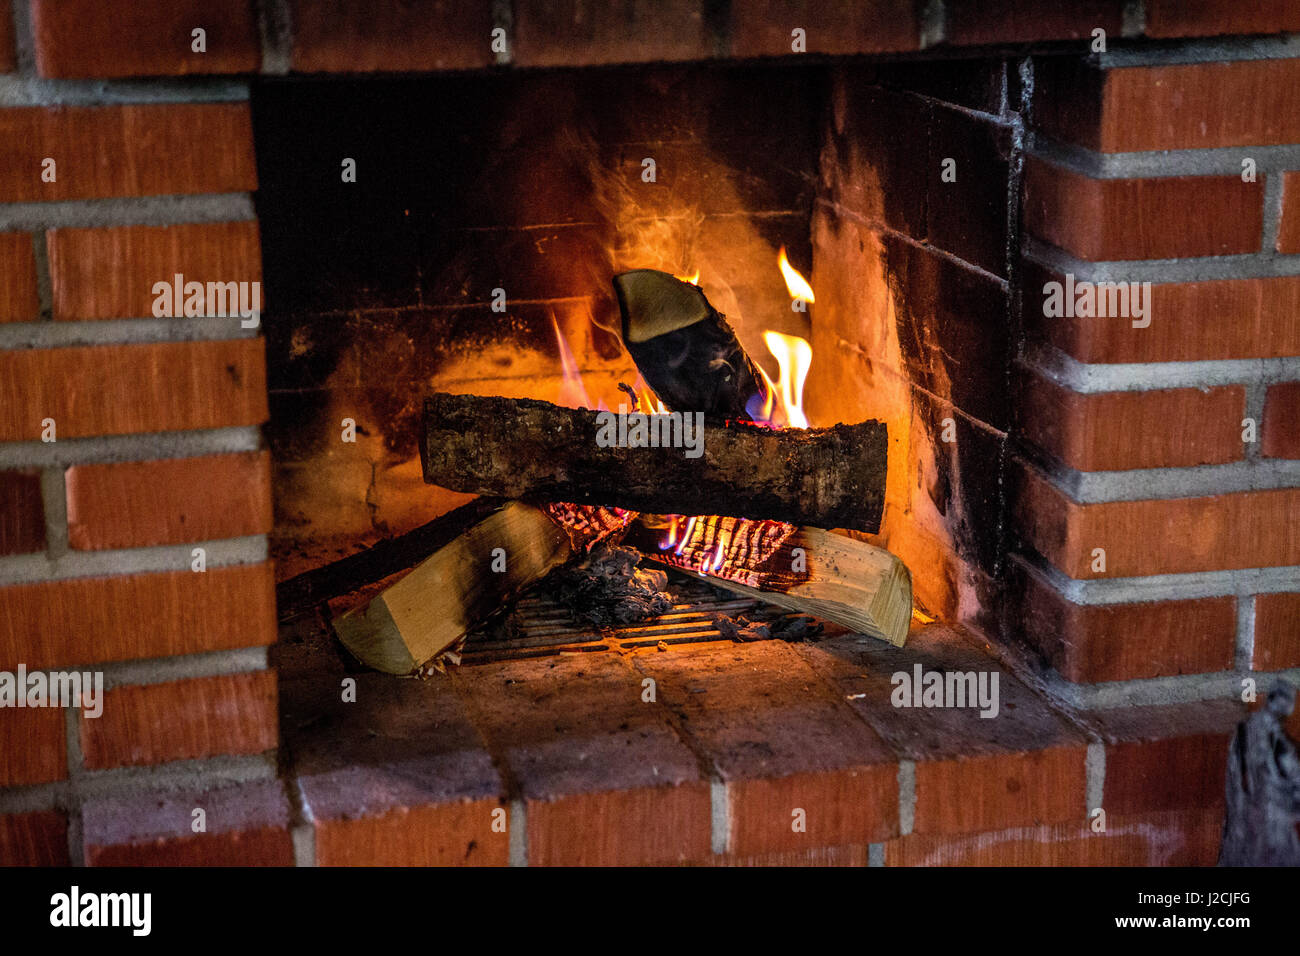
x=978, y=551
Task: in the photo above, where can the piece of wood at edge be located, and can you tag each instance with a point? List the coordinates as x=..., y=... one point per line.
x=452, y=591
x=533, y=450
x=853, y=584
x=313, y=588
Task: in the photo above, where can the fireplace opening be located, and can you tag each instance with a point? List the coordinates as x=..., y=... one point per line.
x=460, y=234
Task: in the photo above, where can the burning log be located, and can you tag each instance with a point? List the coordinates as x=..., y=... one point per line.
x=827, y=575
x=684, y=348
x=827, y=477
x=468, y=579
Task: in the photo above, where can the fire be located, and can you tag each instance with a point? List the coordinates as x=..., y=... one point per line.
x=645, y=399
x=692, y=279
x=794, y=282
x=793, y=356
x=573, y=394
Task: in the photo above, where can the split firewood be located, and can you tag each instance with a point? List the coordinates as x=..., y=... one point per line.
x=467, y=580
x=684, y=348
x=532, y=450
x=830, y=576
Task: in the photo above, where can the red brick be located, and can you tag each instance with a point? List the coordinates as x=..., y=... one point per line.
x=1093, y=643
x=1160, y=774
x=1199, y=18
x=764, y=27
x=1288, y=232
x=19, y=300
x=247, y=825
x=34, y=839
x=1281, y=426
x=119, y=389
x=1250, y=529
x=813, y=856
x=782, y=740
x=451, y=834
x=634, y=827
x=33, y=745
x=1022, y=767
x=139, y=150
x=1110, y=431
x=110, y=273
x=1277, y=631
x=388, y=35
x=22, y=515
x=1166, y=757
x=7, y=60
x=92, y=620
x=87, y=38
x=262, y=846
x=400, y=777
x=1166, y=107
x=1194, y=321
x=1171, y=838
x=183, y=720
x=1103, y=219
x=604, y=777
x=1014, y=789
x=977, y=22
x=861, y=802
x=134, y=504
x=574, y=33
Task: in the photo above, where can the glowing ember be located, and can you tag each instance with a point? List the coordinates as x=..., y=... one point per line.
x=797, y=284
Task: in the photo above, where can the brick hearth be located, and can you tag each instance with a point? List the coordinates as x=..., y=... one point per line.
x=1119, y=687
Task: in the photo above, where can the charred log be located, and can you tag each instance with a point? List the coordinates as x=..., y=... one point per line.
x=684, y=348
x=532, y=450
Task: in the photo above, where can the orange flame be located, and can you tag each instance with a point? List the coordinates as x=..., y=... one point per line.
x=690, y=523
x=645, y=399
x=692, y=279
x=671, y=538
x=572, y=392
x=794, y=357
x=796, y=284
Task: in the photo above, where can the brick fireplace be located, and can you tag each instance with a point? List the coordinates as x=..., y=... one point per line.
x=1098, y=510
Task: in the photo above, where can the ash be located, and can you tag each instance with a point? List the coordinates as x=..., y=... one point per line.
x=741, y=629
x=608, y=589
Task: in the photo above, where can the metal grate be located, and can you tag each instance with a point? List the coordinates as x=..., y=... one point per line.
x=538, y=626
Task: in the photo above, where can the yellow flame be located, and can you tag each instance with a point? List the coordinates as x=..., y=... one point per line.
x=671, y=538
x=794, y=356
x=690, y=524
x=692, y=279
x=794, y=282
x=722, y=544
x=645, y=399
x=572, y=392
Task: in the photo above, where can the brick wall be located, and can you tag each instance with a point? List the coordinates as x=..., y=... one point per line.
x=1170, y=445
x=159, y=451
x=156, y=446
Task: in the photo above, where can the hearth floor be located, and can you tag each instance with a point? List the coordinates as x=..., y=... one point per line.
x=717, y=752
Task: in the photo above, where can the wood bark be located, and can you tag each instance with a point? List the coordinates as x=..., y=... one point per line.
x=532, y=450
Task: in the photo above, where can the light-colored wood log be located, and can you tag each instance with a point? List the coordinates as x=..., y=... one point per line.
x=822, y=573
x=454, y=590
